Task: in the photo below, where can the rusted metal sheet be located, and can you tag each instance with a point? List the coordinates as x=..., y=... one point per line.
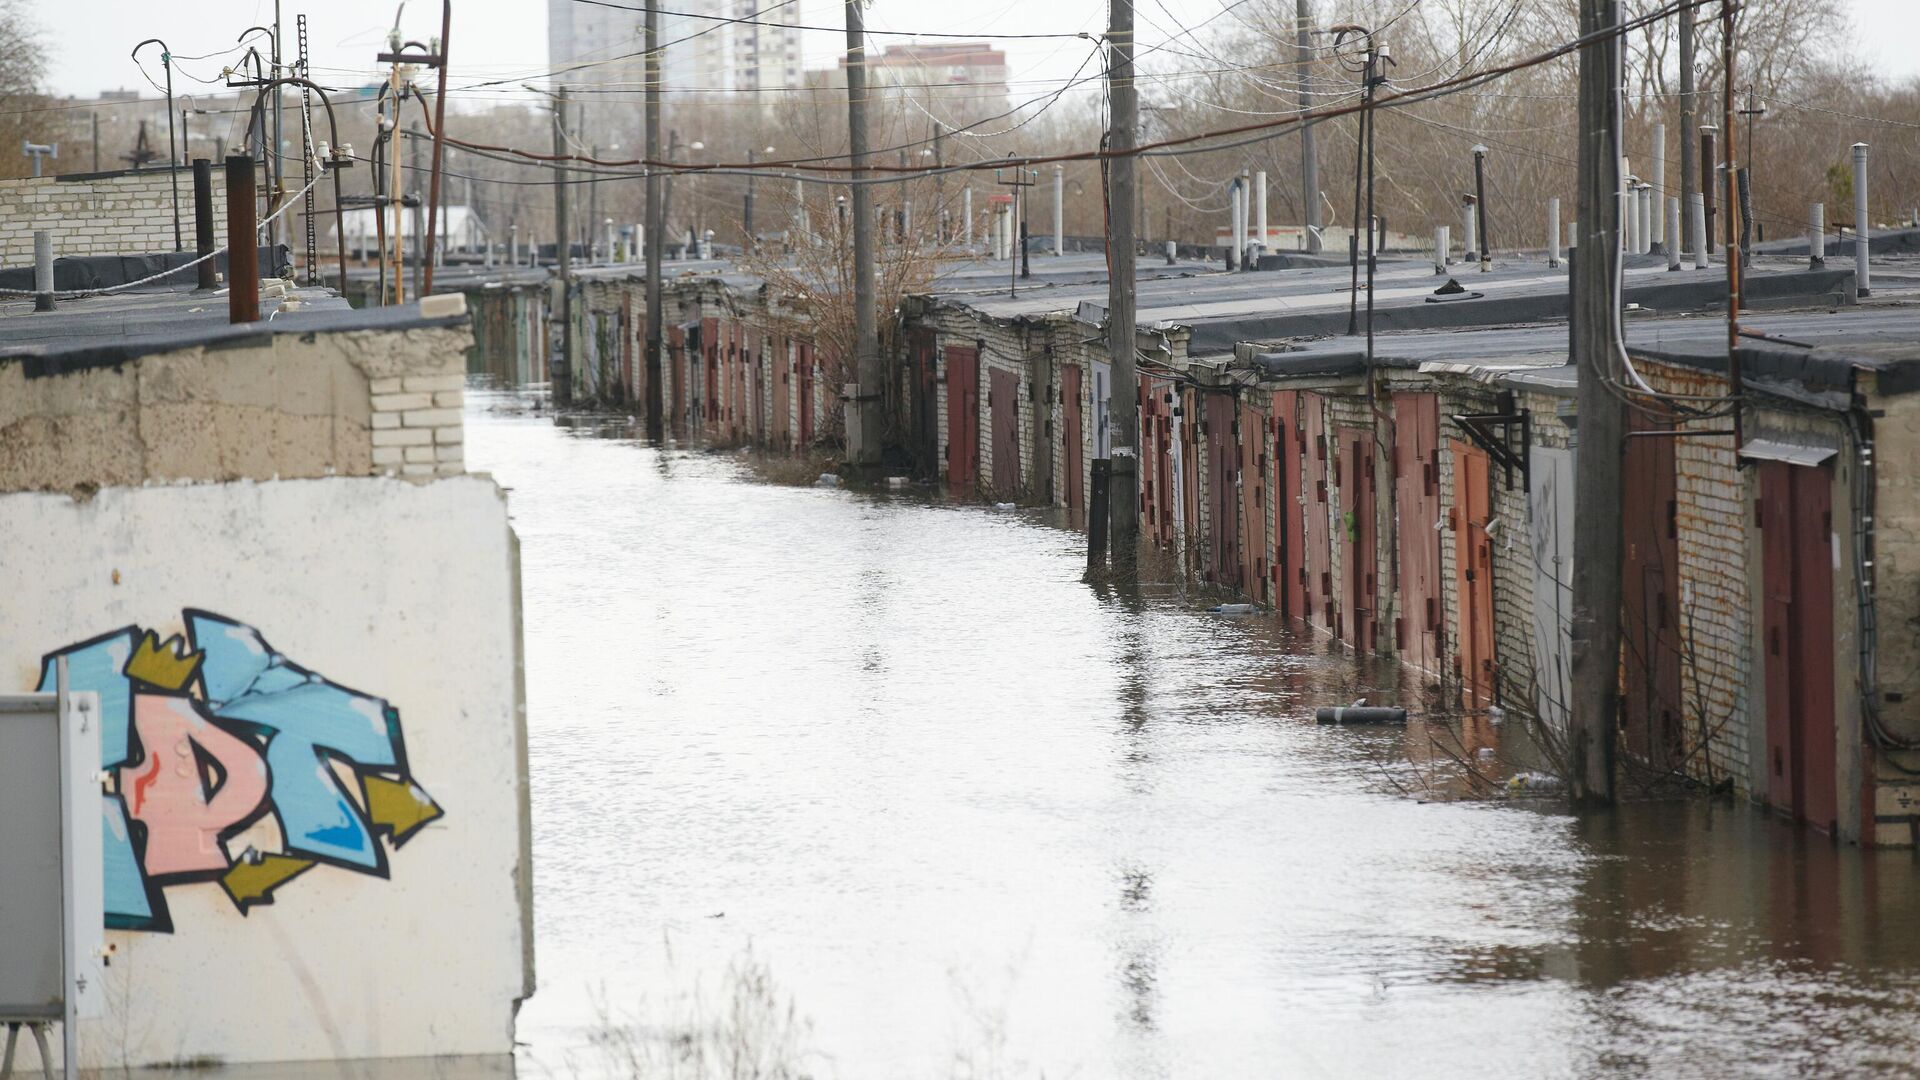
x=1073, y=435
x=1162, y=469
x=1223, y=502
x=710, y=360
x=923, y=348
x=1419, y=630
x=783, y=350
x=1253, y=504
x=1320, y=603
x=1003, y=413
x=1190, y=466
x=1650, y=603
x=1473, y=574
x=1360, y=568
x=1796, y=527
x=806, y=393
x=676, y=341
x=1288, y=556
x=963, y=417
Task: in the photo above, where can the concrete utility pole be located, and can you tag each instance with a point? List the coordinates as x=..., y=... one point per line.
x=1688, y=163
x=1059, y=210
x=1123, y=405
x=864, y=448
x=1597, y=540
x=1309, y=159
x=415, y=168
x=656, y=233
x=562, y=366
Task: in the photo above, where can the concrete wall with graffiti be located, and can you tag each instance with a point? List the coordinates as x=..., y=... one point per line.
x=314, y=748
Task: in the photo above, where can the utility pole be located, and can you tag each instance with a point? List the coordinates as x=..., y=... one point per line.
x=173, y=152
x=865, y=448
x=1309, y=158
x=746, y=209
x=562, y=366
x=1597, y=540
x=1688, y=162
x=1480, y=205
x=414, y=168
x=277, y=170
x=593, y=205
x=1123, y=404
x=656, y=234
x=439, y=137
x=96, y=142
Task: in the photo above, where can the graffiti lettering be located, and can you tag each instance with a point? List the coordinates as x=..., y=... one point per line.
x=204, y=737
x=196, y=782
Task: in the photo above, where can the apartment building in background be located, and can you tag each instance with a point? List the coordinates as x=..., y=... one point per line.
x=601, y=51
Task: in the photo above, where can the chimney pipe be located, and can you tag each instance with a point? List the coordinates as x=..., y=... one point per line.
x=1862, y=226
x=203, y=221
x=42, y=270
x=243, y=252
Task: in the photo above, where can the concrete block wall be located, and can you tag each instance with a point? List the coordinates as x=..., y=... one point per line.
x=1715, y=544
x=416, y=422
x=1895, y=793
x=341, y=403
x=381, y=907
x=115, y=213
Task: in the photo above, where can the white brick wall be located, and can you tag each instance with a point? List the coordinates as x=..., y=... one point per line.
x=117, y=214
x=418, y=431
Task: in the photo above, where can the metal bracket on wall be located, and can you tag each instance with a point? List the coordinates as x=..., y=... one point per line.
x=1480, y=430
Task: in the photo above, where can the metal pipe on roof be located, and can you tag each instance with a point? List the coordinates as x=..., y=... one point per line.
x=1862, y=230
x=1698, y=241
x=1260, y=208
x=42, y=270
x=203, y=226
x=243, y=252
x=1817, y=235
x=1659, y=182
x=1553, y=231
x=1671, y=228
x=1443, y=245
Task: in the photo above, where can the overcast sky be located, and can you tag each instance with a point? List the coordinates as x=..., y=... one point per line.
x=500, y=38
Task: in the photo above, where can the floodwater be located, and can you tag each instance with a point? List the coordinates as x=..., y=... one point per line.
x=871, y=787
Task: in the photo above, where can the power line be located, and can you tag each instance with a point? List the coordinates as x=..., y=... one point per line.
x=750, y=20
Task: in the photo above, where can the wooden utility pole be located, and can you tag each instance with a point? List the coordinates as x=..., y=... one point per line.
x=1123, y=403
x=1688, y=150
x=864, y=451
x=1597, y=538
x=562, y=366
x=655, y=239
x=655, y=235
x=1309, y=158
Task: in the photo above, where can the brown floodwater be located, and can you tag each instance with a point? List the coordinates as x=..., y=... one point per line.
x=875, y=787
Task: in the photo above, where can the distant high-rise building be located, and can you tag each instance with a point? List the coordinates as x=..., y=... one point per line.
x=962, y=82
x=600, y=50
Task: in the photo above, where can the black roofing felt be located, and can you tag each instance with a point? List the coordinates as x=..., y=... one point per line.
x=76, y=337
x=1885, y=340
x=1882, y=242
x=110, y=271
x=1214, y=336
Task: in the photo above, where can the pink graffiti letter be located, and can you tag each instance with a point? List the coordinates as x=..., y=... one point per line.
x=166, y=791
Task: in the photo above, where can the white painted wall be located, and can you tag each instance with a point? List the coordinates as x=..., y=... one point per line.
x=405, y=591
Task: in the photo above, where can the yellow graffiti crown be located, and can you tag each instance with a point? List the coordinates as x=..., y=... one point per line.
x=165, y=666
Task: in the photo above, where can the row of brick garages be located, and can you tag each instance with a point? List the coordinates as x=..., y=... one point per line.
x=1772, y=614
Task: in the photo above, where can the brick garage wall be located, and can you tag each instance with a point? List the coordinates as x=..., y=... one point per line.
x=115, y=213
x=1714, y=513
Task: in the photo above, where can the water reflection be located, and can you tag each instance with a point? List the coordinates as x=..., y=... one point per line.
x=975, y=818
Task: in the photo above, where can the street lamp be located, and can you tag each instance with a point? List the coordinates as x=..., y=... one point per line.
x=173, y=151
x=748, y=207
